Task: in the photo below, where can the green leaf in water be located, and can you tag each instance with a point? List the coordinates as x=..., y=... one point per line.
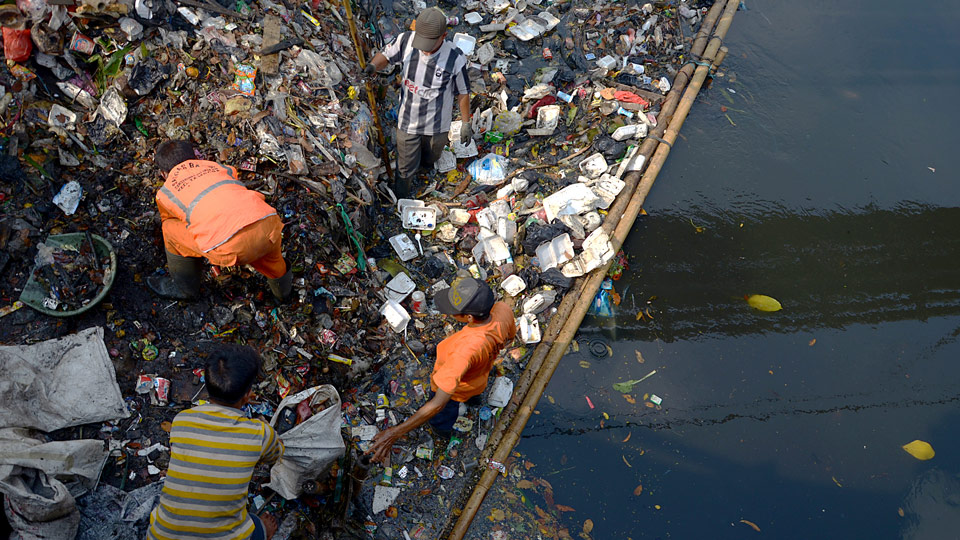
x=624, y=387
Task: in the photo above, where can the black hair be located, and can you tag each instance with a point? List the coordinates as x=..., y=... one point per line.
x=172, y=153
x=231, y=371
x=481, y=317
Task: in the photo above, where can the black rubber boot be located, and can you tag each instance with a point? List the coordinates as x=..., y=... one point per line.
x=401, y=187
x=183, y=280
x=282, y=286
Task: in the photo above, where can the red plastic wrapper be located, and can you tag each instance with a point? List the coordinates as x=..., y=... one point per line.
x=17, y=44
x=545, y=100
x=304, y=411
x=283, y=385
x=328, y=337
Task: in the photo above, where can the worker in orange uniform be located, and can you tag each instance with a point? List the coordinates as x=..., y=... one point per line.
x=208, y=214
x=464, y=360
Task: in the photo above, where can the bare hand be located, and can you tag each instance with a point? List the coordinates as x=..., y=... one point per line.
x=383, y=443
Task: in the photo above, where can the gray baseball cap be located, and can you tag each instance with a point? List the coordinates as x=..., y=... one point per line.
x=431, y=24
x=466, y=296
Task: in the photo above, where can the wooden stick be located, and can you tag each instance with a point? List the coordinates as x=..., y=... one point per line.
x=371, y=98
x=584, y=293
x=272, y=29
x=214, y=8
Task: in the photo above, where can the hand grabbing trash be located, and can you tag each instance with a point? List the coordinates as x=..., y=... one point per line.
x=383, y=443
x=466, y=133
x=370, y=69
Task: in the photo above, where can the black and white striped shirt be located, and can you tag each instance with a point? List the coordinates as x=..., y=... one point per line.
x=431, y=83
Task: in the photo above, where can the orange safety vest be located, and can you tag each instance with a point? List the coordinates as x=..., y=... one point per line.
x=210, y=199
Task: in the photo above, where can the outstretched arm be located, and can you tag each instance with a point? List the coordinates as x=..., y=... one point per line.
x=383, y=441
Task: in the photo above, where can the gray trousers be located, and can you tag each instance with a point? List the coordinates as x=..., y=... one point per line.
x=414, y=151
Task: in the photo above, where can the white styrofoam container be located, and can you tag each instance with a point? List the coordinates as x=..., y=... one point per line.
x=404, y=247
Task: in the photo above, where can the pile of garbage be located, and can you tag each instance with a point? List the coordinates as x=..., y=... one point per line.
x=562, y=92
x=70, y=275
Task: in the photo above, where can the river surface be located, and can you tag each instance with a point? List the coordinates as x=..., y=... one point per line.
x=820, y=170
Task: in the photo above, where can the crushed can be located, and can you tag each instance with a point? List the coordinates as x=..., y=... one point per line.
x=445, y=472
x=418, y=302
x=547, y=53
x=144, y=384
x=82, y=44
x=163, y=390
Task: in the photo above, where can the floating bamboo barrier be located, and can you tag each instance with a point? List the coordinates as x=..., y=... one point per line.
x=565, y=323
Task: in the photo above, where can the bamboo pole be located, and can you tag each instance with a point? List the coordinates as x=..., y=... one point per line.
x=613, y=217
x=721, y=54
x=590, y=285
x=371, y=98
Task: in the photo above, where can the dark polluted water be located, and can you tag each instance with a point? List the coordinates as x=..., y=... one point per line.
x=819, y=170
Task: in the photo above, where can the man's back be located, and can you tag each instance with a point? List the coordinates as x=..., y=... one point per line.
x=213, y=203
x=430, y=83
x=465, y=358
x=213, y=452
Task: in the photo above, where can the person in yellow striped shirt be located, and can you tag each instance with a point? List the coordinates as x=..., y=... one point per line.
x=213, y=451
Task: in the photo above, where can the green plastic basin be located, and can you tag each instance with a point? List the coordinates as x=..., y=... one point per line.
x=33, y=293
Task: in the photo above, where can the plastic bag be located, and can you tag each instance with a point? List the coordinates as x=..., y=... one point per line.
x=17, y=44
x=490, y=170
x=311, y=446
x=360, y=126
x=508, y=123
x=34, y=9
x=326, y=72
x=244, y=81
x=602, y=305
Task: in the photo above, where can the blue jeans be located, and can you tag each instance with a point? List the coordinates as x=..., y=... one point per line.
x=259, y=532
x=443, y=421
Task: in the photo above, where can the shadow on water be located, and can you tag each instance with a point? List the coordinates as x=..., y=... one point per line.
x=828, y=269
x=691, y=490
x=791, y=420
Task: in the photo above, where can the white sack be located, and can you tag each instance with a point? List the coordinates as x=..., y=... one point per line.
x=310, y=447
x=59, y=383
x=40, y=479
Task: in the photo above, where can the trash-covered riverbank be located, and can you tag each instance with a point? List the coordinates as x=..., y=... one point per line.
x=561, y=93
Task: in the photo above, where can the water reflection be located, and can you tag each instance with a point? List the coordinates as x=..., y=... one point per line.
x=828, y=269
x=932, y=507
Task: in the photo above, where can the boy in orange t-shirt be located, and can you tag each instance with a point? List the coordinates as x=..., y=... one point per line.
x=463, y=361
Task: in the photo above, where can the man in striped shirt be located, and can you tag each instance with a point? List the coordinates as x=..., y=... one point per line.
x=433, y=72
x=213, y=451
